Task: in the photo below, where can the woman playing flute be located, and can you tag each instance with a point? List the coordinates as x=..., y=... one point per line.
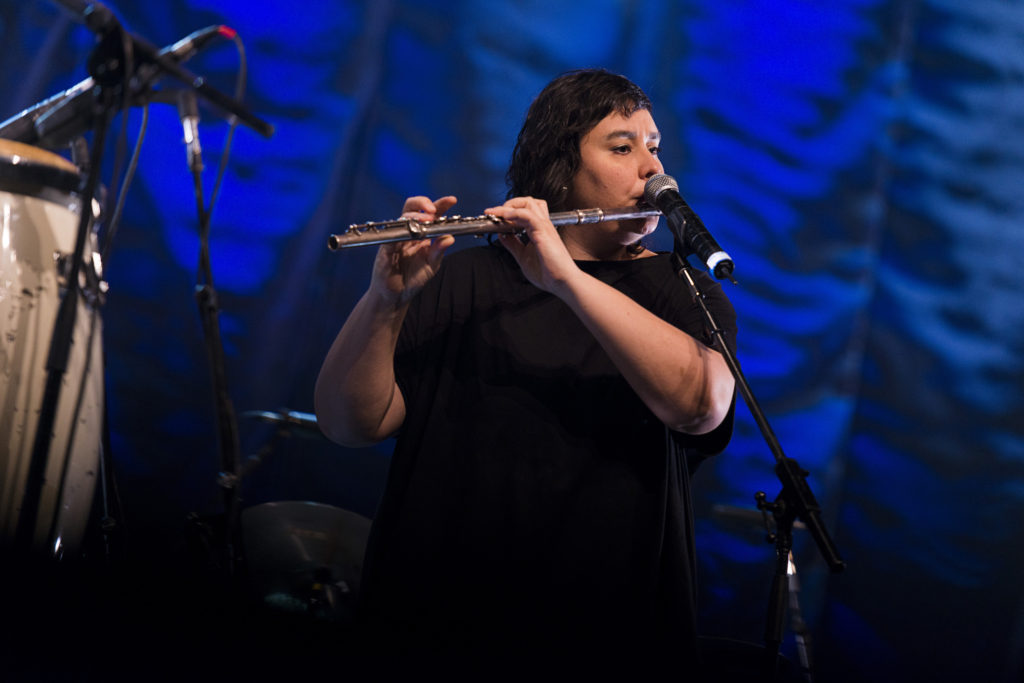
x=550, y=397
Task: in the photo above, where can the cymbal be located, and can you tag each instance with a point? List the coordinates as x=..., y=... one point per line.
x=299, y=423
x=305, y=552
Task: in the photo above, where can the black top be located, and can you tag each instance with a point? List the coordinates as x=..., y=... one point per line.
x=531, y=491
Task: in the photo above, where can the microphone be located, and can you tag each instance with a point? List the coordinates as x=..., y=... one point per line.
x=662, y=192
x=187, y=47
x=188, y=112
x=57, y=119
x=21, y=127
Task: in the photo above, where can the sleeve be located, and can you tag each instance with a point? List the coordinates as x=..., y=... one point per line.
x=691, y=319
x=712, y=443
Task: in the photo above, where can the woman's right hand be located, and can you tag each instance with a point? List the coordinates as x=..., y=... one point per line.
x=401, y=269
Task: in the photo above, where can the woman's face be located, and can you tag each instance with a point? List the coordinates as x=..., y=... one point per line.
x=617, y=157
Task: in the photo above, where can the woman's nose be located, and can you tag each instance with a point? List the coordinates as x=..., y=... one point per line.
x=651, y=166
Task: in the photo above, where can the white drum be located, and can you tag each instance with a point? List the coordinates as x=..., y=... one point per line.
x=39, y=214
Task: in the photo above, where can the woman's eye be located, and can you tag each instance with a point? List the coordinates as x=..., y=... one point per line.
x=654, y=150
x=621, y=149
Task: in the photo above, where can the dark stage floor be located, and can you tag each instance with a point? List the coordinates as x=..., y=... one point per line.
x=85, y=623
x=181, y=618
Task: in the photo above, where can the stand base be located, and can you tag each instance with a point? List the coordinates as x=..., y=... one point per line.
x=735, y=661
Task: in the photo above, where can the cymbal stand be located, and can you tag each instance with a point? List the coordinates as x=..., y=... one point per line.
x=800, y=631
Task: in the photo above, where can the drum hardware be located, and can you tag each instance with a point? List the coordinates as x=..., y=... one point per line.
x=62, y=267
x=301, y=557
x=231, y=475
x=90, y=278
x=289, y=423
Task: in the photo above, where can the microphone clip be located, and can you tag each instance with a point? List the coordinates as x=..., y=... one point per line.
x=188, y=112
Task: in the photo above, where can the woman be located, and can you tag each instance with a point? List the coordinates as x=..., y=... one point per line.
x=550, y=398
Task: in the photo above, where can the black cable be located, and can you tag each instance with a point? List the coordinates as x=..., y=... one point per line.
x=240, y=84
x=129, y=176
x=229, y=478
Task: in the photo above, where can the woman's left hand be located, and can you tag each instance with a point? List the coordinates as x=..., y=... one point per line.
x=543, y=258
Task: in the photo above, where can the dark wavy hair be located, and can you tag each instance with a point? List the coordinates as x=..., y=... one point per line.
x=547, y=151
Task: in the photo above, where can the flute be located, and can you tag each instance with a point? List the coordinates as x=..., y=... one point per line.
x=382, y=232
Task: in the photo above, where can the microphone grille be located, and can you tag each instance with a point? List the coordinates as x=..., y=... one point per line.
x=657, y=184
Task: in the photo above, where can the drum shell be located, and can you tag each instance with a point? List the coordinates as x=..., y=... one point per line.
x=39, y=216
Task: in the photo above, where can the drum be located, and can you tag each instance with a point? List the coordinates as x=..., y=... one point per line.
x=39, y=215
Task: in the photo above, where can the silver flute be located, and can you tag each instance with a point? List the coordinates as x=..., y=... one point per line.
x=382, y=232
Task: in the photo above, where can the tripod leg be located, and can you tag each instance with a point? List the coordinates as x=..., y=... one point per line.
x=800, y=630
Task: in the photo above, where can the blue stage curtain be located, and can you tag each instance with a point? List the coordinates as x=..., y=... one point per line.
x=860, y=160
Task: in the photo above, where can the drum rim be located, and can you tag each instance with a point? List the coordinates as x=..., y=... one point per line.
x=41, y=182
x=67, y=199
x=36, y=172
x=9, y=149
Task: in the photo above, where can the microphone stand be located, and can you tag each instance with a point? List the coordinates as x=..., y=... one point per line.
x=795, y=501
x=101, y=20
x=107, y=67
x=230, y=475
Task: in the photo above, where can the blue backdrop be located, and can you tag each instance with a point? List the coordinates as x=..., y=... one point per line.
x=857, y=159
